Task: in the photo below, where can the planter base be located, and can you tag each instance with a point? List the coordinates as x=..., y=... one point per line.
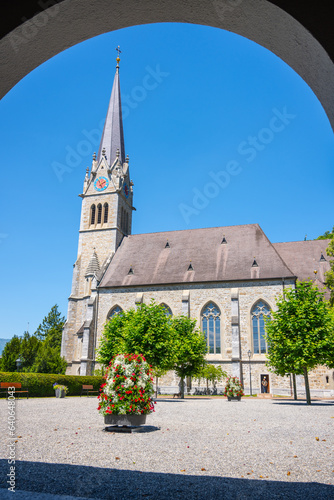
x=233, y=398
x=125, y=420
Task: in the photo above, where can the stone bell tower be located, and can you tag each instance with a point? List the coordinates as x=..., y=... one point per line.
x=106, y=217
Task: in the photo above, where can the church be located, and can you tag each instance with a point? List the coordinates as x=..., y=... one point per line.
x=227, y=278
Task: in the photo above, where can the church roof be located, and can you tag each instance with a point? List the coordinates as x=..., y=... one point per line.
x=305, y=257
x=195, y=255
x=112, y=135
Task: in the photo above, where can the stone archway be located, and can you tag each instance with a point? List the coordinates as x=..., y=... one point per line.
x=72, y=21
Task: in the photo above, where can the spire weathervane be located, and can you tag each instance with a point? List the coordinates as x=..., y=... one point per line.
x=118, y=58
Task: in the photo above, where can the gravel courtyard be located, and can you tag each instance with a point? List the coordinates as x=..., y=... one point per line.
x=193, y=448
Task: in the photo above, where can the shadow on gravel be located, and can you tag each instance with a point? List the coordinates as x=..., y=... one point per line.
x=303, y=403
x=99, y=483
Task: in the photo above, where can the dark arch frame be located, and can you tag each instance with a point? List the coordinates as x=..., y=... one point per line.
x=289, y=29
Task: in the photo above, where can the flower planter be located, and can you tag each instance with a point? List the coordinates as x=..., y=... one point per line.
x=128, y=420
x=60, y=393
x=234, y=398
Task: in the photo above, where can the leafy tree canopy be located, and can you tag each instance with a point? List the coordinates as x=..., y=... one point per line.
x=24, y=348
x=51, y=328
x=300, y=334
x=147, y=330
x=39, y=352
x=189, y=346
x=328, y=235
x=48, y=360
x=211, y=373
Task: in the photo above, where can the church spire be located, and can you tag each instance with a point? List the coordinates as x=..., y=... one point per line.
x=112, y=136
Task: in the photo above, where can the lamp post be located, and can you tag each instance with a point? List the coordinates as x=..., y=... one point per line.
x=18, y=363
x=250, y=372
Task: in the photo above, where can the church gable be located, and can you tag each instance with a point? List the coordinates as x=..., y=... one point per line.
x=197, y=255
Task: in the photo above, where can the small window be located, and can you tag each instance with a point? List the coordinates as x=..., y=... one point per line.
x=105, y=213
x=99, y=213
x=211, y=327
x=168, y=310
x=113, y=311
x=92, y=215
x=260, y=312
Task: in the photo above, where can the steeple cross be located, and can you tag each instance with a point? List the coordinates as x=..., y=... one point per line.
x=118, y=51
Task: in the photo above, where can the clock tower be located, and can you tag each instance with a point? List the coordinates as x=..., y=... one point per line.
x=106, y=218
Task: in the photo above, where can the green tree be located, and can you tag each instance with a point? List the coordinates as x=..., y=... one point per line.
x=300, y=333
x=328, y=235
x=189, y=348
x=211, y=373
x=25, y=348
x=10, y=353
x=51, y=328
x=48, y=360
x=147, y=330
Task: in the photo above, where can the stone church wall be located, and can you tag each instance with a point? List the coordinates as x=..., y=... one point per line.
x=220, y=293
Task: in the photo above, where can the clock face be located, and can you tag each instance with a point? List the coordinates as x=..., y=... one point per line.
x=101, y=183
x=126, y=189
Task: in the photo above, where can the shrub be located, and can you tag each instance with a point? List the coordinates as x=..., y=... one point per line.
x=41, y=384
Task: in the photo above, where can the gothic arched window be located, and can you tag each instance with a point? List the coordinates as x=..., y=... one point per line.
x=92, y=215
x=210, y=319
x=168, y=310
x=105, y=213
x=113, y=311
x=259, y=312
x=99, y=213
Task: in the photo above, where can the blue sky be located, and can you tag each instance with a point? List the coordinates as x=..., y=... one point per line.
x=219, y=131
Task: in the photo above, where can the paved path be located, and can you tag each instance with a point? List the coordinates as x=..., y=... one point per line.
x=195, y=448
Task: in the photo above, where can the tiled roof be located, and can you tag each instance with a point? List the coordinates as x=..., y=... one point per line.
x=304, y=257
x=144, y=259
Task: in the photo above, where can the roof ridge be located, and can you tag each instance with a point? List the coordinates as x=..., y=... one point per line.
x=196, y=229
x=274, y=249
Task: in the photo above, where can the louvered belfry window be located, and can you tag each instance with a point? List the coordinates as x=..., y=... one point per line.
x=105, y=213
x=92, y=215
x=99, y=213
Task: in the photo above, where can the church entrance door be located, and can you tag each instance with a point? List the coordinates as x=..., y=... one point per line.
x=265, y=386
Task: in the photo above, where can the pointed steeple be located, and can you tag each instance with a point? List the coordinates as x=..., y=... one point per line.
x=93, y=266
x=112, y=136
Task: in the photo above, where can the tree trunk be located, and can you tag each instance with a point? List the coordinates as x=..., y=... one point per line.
x=182, y=388
x=207, y=386
x=156, y=386
x=307, y=387
x=294, y=387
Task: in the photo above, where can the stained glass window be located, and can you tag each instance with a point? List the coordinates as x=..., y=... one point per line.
x=115, y=310
x=259, y=313
x=211, y=327
x=168, y=310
